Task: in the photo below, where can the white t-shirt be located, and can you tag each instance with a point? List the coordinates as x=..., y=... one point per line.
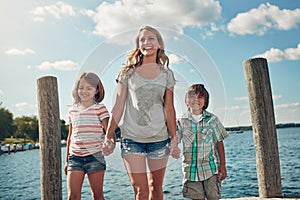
x=197, y=118
x=144, y=118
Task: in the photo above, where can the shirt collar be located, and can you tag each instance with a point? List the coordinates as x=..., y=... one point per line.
x=205, y=114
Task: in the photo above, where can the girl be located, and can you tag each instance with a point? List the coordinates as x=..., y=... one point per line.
x=145, y=86
x=87, y=118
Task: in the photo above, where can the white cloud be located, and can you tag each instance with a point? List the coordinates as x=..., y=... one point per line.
x=245, y=98
x=24, y=106
x=174, y=59
x=276, y=97
x=232, y=108
x=19, y=52
x=56, y=10
x=63, y=65
x=272, y=55
x=192, y=70
x=290, y=105
x=292, y=53
x=265, y=17
x=89, y=13
x=1, y=93
x=125, y=15
x=277, y=55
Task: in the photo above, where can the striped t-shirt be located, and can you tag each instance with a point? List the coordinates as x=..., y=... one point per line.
x=87, y=129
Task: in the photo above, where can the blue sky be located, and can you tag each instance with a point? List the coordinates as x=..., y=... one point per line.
x=207, y=42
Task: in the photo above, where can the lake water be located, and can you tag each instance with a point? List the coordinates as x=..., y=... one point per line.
x=20, y=173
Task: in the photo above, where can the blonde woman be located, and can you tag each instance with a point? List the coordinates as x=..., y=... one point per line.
x=145, y=95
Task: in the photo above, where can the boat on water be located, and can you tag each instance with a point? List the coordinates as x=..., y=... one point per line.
x=7, y=148
x=236, y=132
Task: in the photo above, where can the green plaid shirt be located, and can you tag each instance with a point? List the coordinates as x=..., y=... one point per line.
x=200, y=155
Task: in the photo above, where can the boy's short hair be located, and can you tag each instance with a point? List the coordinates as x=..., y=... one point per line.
x=198, y=89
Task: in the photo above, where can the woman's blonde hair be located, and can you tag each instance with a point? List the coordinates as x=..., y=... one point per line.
x=135, y=57
x=94, y=81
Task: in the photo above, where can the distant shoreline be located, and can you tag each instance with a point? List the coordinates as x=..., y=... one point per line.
x=249, y=128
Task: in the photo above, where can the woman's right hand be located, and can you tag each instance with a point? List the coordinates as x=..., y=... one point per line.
x=108, y=147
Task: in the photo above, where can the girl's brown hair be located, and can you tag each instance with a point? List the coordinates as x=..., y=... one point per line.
x=94, y=81
x=198, y=89
x=135, y=57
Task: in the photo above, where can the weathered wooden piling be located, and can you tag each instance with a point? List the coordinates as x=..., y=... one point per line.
x=49, y=138
x=264, y=128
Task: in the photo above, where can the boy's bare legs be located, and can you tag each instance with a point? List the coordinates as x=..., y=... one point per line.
x=96, y=183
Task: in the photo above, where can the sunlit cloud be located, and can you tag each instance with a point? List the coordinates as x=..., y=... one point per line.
x=172, y=14
x=63, y=65
x=265, y=17
x=288, y=105
x=276, y=97
x=174, y=59
x=192, y=70
x=55, y=10
x=245, y=98
x=234, y=108
x=89, y=13
x=24, y=106
x=19, y=52
x=277, y=55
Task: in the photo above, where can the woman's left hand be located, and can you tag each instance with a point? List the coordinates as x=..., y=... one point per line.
x=174, y=149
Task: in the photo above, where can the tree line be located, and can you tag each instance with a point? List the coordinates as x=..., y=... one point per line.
x=26, y=127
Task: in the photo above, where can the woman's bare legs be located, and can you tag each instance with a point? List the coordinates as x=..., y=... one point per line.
x=136, y=169
x=157, y=169
x=146, y=188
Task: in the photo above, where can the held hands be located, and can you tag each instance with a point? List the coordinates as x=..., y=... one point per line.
x=174, y=150
x=108, y=146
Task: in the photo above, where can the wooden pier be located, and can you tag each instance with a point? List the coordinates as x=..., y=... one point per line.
x=261, y=198
x=263, y=124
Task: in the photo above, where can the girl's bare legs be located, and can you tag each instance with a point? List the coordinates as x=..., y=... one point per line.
x=157, y=169
x=136, y=169
x=74, y=181
x=96, y=183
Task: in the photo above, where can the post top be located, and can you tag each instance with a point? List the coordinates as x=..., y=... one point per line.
x=256, y=59
x=47, y=77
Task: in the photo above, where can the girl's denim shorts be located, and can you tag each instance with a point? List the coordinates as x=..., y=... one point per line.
x=88, y=164
x=153, y=150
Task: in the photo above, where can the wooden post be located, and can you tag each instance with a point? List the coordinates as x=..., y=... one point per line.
x=264, y=127
x=49, y=138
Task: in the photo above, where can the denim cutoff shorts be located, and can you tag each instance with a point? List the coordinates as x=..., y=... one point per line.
x=88, y=164
x=153, y=150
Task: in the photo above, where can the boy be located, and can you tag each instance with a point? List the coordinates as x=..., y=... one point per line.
x=202, y=133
